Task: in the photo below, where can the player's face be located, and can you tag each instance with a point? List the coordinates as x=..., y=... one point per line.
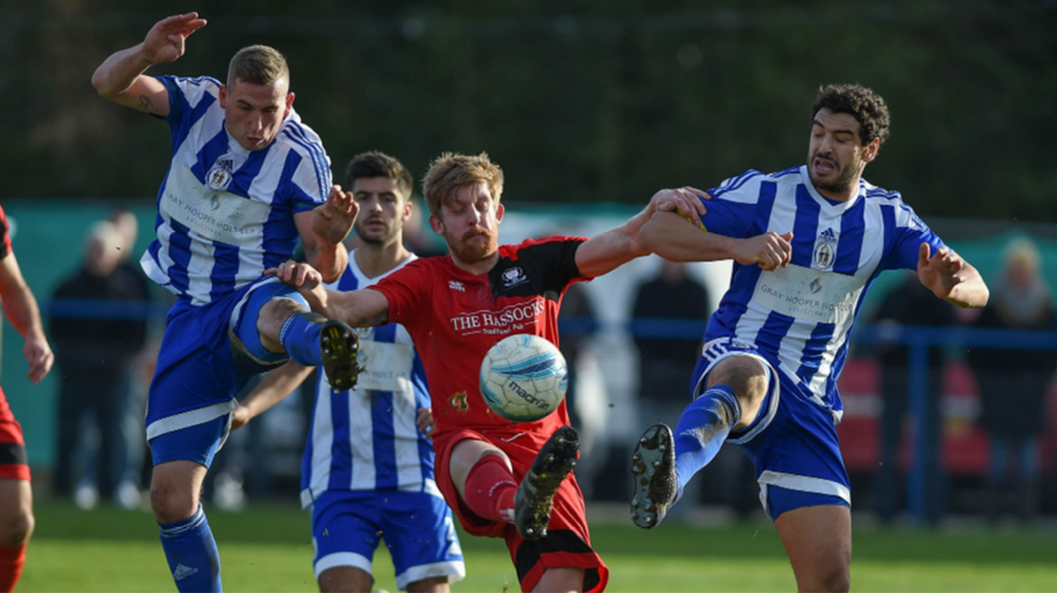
x=383, y=210
x=470, y=224
x=836, y=156
x=253, y=113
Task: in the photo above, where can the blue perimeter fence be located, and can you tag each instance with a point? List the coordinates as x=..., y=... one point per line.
x=918, y=340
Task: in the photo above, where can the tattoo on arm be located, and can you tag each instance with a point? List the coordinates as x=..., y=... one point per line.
x=145, y=104
x=378, y=319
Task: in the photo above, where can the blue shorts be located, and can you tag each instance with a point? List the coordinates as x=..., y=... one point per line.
x=417, y=528
x=207, y=355
x=792, y=442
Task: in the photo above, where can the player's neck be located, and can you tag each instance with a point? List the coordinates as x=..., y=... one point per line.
x=478, y=267
x=374, y=260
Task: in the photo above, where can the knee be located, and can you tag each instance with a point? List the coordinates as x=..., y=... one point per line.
x=16, y=528
x=171, y=504
x=746, y=375
x=835, y=579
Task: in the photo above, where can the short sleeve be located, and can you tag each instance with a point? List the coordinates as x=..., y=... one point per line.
x=189, y=98
x=909, y=232
x=732, y=209
x=309, y=165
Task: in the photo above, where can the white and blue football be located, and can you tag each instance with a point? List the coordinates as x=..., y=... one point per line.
x=523, y=378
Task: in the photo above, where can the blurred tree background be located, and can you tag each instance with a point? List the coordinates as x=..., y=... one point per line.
x=578, y=100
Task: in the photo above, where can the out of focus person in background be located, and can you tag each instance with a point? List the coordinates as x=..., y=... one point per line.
x=134, y=390
x=95, y=343
x=910, y=303
x=577, y=322
x=1014, y=383
x=16, y=496
x=666, y=361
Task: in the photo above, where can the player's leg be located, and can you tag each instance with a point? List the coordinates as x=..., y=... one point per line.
x=345, y=528
x=565, y=578
x=181, y=459
x=737, y=385
x=345, y=579
x=16, y=499
x=16, y=525
x=275, y=321
x=420, y=534
x=535, y=495
x=818, y=542
x=484, y=479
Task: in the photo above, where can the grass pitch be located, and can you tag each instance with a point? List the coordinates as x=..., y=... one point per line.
x=268, y=548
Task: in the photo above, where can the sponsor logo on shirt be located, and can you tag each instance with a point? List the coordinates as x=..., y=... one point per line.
x=219, y=176
x=456, y=285
x=513, y=277
x=505, y=321
x=825, y=249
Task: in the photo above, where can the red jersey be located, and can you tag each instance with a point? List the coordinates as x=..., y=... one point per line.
x=454, y=317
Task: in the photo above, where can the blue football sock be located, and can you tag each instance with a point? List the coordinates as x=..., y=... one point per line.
x=702, y=428
x=300, y=337
x=192, y=554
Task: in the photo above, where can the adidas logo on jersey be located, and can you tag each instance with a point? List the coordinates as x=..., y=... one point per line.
x=182, y=572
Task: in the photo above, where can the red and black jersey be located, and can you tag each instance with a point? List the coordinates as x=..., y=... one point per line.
x=454, y=317
x=5, y=235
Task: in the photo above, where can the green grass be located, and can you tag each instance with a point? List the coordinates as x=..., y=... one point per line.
x=267, y=548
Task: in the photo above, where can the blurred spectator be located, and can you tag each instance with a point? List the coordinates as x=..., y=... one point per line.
x=910, y=303
x=134, y=390
x=1013, y=383
x=94, y=345
x=665, y=362
x=577, y=322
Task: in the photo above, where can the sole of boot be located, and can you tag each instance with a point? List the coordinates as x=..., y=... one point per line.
x=653, y=472
x=339, y=346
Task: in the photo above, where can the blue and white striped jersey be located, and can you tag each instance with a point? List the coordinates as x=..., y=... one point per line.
x=225, y=214
x=366, y=438
x=802, y=314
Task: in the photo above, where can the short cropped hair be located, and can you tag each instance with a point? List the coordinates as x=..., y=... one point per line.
x=866, y=106
x=258, y=64
x=451, y=172
x=378, y=164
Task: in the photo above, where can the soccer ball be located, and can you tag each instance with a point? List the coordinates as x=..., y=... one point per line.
x=523, y=378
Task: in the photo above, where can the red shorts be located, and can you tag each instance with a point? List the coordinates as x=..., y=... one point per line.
x=13, y=464
x=567, y=542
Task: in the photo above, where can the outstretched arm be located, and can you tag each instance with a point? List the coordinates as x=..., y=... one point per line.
x=22, y=311
x=322, y=231
x=358, y=308
x=120, y=77
x=272, y=389
x=951, y=278
x=615, y=247
x=670, y=236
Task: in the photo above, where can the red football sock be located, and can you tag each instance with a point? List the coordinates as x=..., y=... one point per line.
x=11, y=560
x=490, y=489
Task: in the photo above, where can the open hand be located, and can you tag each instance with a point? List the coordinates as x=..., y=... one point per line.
x=942, y=271
x=332, y=220
x=165, y=40
x=39, y=356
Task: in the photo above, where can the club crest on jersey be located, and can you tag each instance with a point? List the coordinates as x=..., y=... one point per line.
x=825, y=249
x=513, y=277
x=219, y=176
